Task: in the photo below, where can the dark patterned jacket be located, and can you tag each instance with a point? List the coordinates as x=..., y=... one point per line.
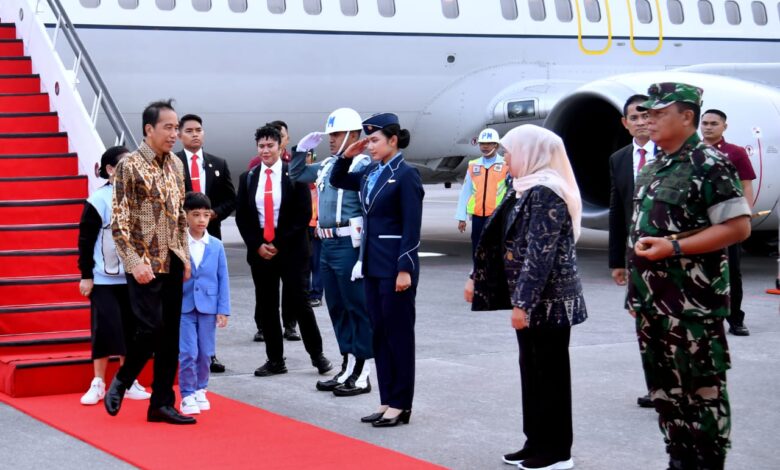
x=526, y=258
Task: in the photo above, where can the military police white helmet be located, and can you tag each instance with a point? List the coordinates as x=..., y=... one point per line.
x=488, y=136
x=343, y=120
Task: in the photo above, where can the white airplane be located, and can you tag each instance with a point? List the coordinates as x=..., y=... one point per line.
x=448, y=68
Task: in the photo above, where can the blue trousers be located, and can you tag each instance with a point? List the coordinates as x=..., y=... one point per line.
x=346, y=299
x=392, y=317
x=315, y=283
x=197, y=336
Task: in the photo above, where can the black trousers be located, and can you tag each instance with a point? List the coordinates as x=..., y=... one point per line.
x=477, y=224
x=293, y=272
x=737, y=316
x=392, y=320
x=546, y=383
x=157, y=314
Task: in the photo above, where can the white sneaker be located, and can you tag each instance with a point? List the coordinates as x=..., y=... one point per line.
x=96, y=392
x=189, y=406
x=203, y=402
x=137, y=392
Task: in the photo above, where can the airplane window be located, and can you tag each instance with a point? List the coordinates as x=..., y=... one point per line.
x=675, y=8
x=509, y=9
x=90, y=3
x=732, y=12
x=706, y=13
x=349, y=7
x=592, y=11
x=450, y=8
x=201, y=5
x=237, y=6
x=643, y=11
x=166, y=4
x=537, y=10
x=312, y=7
x=759, y=13
x=563, y=10
x=386, y=8
x=277, y=7
x=128, y=4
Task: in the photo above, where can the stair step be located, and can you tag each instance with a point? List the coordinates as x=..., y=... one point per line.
x=52, y=211
x=54, y=262
x=43, y=187
x=17, y=83
x=11, y=47
x=29, y=122
x=24, y=103
x=25, y=144
x=49, y=164
x=14, y=65
x=34, y=237
x=7, y=31
x=19, y=346
x=39, y=290
x=43, y=318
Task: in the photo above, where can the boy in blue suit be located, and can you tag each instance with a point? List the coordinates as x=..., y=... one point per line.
x=205, y=305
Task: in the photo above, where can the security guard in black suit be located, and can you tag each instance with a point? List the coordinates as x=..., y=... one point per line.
x=391, y=195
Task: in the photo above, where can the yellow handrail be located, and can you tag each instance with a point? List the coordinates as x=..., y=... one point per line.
x=660, y=30
x=584, y=49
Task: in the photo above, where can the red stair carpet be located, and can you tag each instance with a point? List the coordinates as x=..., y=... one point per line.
x=231, y=435
x=44, y=322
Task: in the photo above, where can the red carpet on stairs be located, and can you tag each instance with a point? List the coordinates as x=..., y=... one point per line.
x=231, y=435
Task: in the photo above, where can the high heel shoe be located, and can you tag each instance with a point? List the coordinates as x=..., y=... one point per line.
x=372, y=417
x=402, y=417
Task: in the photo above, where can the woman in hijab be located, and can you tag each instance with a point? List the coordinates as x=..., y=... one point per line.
x=526, y=262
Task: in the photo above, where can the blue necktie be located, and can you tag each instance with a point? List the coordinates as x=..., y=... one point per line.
x=372, y=177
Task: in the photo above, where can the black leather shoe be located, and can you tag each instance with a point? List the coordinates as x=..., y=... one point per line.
x=645, y=401
x=114, y=396
x=216, y=367
x=290, y=334
x=314, y=303
x=516, y=457
x=739, y=330
x=271, y=368
x=329, y=385
x=259, y=338
x=372, y=418
x=322, y=364
x=168, y=414
x=402, y=418
x=349, y=389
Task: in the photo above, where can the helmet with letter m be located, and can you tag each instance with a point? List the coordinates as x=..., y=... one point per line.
x=343, y=120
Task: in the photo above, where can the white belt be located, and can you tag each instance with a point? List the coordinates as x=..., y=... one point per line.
x=333, y=232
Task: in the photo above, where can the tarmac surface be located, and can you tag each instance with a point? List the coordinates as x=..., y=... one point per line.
x=467, y=401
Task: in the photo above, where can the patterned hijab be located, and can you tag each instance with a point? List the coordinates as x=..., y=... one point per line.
x=537, y=157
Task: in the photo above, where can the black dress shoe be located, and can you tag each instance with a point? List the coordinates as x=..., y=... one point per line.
x=372, y=418
x=271, y=368
x=290, y=334
x=329, y=385
x=114, y=396
x=402, y=418
x=739, y=330
x=516, y=457
x=216, y=367
x=322, y=364
x=168, y=414
x=259, y=338
x=350, y=389
x=645, y=401
x=314, y=303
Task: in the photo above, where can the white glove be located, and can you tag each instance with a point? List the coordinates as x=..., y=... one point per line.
x=310, y=141
x=357, y=271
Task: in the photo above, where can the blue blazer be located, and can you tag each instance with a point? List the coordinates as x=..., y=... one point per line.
x=391, y=217
x=208, y=289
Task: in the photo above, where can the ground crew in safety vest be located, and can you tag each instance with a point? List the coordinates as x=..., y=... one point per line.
x=484, y=186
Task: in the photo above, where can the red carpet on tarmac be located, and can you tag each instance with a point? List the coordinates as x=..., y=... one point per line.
x=231, y=435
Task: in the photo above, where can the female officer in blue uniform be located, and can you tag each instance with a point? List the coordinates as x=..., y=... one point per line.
x=391, y=195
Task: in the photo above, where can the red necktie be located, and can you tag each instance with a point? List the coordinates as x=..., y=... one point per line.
x=268, y=207
x=195, y=173
x=642, y=153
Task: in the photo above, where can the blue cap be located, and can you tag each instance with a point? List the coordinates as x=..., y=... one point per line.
x=379, y=121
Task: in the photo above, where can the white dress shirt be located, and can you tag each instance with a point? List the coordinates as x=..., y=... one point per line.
x=649, y=156
x=201, y=164
x=276, y=184
x=197, y=247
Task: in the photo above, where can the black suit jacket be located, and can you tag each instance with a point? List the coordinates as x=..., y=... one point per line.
x=219, y=188
x=621, y=172
x=291, y=234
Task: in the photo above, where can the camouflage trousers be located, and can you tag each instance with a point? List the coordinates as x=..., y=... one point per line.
x=685, y=363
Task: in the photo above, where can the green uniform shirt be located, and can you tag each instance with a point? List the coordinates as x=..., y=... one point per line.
x=695, y=187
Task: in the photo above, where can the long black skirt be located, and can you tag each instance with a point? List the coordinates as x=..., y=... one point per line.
x=112, y=320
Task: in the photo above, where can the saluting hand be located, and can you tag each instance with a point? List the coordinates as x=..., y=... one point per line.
x=356, y=149
x=519, y=318
x=403, y=281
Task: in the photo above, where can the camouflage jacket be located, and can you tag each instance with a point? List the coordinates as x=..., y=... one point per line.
x=693, y=188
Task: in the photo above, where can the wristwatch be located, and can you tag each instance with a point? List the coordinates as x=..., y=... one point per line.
x=676, y=247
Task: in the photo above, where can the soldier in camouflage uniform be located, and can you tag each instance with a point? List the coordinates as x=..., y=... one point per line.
x=679, y=290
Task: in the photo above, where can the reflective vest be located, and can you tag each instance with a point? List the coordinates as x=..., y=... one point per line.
x=488, y=187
